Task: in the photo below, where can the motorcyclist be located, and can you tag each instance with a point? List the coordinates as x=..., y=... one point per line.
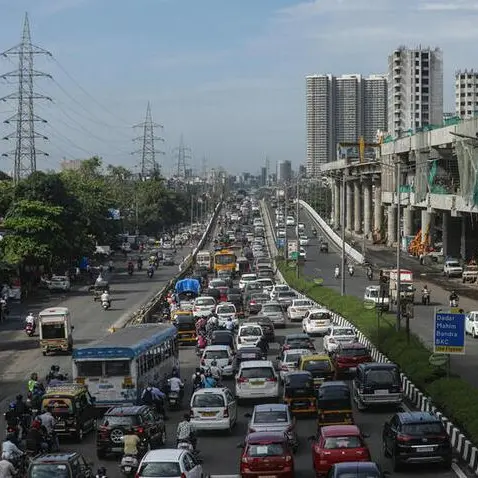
x=370, y=272
x=337, y=271
x=99, y=280
x=48, y=421
x=314, y=231
x=208, y=380
x=30, y=319
x=32, y=382
x=453, y=297
x=22, y=411
x=185, y=432
x=10, y=451
x=216, y=371
x=110, y=265
x=101, y=472
x=150, y=270
x=130, y=266
x=36, y=441
x=176, y=385
x=197, y=379
x=105, y=297
x=154, y=397
x=425, y=290
x=229, y=324
x=13, y=422
x=351, y=269
x=130, y=444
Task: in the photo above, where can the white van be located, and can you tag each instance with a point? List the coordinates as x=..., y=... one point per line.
x=257, y=379
x=204, y=259
x=55, y=330
x=372, y=294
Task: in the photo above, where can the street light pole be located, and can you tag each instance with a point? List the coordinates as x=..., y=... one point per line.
x=297, y=271
x=399, y=285
x=286, y=211
x=342, y=220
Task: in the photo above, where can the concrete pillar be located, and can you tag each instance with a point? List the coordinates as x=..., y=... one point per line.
x=426, y=223
x=357, y=207
x=367, y=209
x=446, y=220
x=407, y=221
x=377, y=209
x=337, y=204
x=349, y=207
x=392, y=224
x=463, y=238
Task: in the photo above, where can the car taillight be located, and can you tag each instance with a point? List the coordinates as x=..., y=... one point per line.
x=139, y=430
x=242, y=380
x=403, y=438
x=183, y=475
x=136, y=475
x=252, y=302
x=226, y=413
x=273, y=379
x=286, y=347
x=244, y=459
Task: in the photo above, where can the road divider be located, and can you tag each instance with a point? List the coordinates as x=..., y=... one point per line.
x=147, y=313
x=465, y=448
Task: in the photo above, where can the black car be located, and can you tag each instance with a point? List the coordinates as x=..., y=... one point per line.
x=324, y=246
x=350, y=469
x=60, y=465
x=142, y=420
x=377, y=384
x=246, y=354
x=255, y=302
x=267, y=326
x=222, y=337
x=416, y=437
x=298, y=341
x=234, y=296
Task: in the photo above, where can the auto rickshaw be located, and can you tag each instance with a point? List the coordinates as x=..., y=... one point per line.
x=299, y=393
x=334, y=404
x=319, y=365
x=186, y=325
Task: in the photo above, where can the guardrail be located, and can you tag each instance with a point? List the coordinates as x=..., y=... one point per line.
x=146, y=313
x=332, y=235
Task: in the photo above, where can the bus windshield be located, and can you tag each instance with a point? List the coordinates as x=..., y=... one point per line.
x=225, y=259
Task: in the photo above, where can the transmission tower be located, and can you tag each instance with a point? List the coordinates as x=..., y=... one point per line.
x=183, y=153
x=149, y=166
x=25, y=152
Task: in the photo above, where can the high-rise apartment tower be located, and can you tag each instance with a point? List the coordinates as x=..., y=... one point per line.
x=466, y=94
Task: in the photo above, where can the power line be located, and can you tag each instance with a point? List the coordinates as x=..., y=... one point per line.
x=25, y=152
x=149, y=166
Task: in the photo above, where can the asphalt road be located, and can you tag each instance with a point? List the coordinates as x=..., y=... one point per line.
x=321, y=265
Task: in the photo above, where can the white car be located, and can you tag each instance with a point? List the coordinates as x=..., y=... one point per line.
x=223, y=356
x=171, y=462
x=290, y=221
x=257, y=379
x=59, y=283
x=452, y=268
x=245, y=278
x=298, y=309
x=281, y=233
x=317, y=322
x=268, y=284
x=471, y=323
x=289, y=360
x=224, y=311
x=248, y=335
x=301, y=226
x=302, y=253
x=203, y=306
x=213, y=409
x=303, y=240
x=279, y=288
x=167, y=245
x=337, y=335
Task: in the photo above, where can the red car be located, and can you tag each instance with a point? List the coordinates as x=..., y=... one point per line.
x=347, y=356
x=337, y=444
x=267, y=454
x=222, y=293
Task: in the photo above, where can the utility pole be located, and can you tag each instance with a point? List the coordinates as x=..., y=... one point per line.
x=25, y=152
x=183, y=154
x=297, y=269
x=342, y=220
x=286, y=212
x=149, y=166
x=399, y=282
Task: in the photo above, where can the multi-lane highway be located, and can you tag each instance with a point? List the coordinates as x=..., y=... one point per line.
x=321, y=265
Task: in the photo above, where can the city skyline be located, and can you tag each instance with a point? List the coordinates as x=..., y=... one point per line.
x=235, y=90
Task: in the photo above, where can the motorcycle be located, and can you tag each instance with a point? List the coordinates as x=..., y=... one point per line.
x=370, y=273
x=187, y=445
x=106, y=304
x=129, y=465
x=337, y=273
x=150, y=273
x=30, y=329
x=201, y=344
x=426, y=297
x=454, y=303
x=130, y=270
x=174, y=400
x=351, y=271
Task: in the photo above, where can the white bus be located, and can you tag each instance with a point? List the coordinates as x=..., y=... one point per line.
x=204, y=259
x=119, y=366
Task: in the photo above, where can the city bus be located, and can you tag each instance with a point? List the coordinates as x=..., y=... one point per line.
x=119, y=366
x=225, y=260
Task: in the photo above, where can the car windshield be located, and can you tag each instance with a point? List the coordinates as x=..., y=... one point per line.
x=319, y=316
x=281, y=288
x=205, y=400
x=301, y=303
x=257, y=372
x=286, y=294
x=344, y=332
x=160, y=469
x=423, y=428
x=298, y=343
x=454, y=264
x=268, y=449
x=226, y=309
x=216, y=354
x=250, y=331
x=382, y=377
x=248, y=278
x=204, y=301
x=353, y=352
x=120, y=420
x=271, y=308
x=315, y=366
x=46, y=470
x=332, y=443
x=270, y=416
x=293, y=357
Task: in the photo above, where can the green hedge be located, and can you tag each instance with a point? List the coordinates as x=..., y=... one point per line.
x=456, y=398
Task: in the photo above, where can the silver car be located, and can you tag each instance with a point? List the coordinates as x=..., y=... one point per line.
x=275, y=312
x=273, y=417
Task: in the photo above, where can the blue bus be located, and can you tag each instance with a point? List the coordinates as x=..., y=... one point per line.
x=117, y=367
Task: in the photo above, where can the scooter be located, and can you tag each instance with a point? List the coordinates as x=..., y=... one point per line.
x=101, y=473
x=129, y=465
x=426, y=298
x=30, y=329
x=174, y=400
x=351, y=271
x=106, y=304
x=337, y=273
x=150, y=273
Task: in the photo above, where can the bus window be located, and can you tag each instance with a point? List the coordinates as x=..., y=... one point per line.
x=117, y=368
x=90, y=369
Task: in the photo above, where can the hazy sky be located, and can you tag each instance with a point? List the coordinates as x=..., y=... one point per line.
x=227, y=74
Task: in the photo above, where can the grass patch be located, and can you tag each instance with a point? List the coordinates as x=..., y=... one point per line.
x=456, y=398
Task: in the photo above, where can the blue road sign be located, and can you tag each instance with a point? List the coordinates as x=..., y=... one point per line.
x=449, y=331
x=280, y=243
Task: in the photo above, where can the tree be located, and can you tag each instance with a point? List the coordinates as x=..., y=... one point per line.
x=36, y=233
x=7, y=191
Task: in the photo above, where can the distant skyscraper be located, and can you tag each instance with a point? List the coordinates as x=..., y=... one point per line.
x=466, y=93
x=263, y=178
x=342, y=109
x=284, y=172
x=415, y=89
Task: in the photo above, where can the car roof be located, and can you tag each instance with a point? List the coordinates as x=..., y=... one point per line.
x=296, y=336
x=131, y=410
x=312, y=357
x=257, y=363
x=208, y=391
x=296, y=351
x=260, y=437
x=414, y=417
x=378, y=365
x=335, y=383
x=353, y=345
x=339, y=430
x=322, y=310
x=55, y=457
x=249, y=350
x=217, y=347
x=272, y=302
x=163, y=454
x=357, y=466
x=271, y=407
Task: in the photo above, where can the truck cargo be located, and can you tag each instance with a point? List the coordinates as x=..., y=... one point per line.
x=407, y=290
